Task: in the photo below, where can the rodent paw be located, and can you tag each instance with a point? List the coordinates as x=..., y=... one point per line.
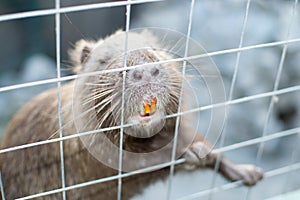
x=250, y=174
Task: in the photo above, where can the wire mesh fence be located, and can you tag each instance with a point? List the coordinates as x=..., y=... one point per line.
x=214, y=188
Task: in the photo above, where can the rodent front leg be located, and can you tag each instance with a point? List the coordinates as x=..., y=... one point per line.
x=199, y=154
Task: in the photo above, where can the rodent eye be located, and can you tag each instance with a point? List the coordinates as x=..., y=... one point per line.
x=155, y=72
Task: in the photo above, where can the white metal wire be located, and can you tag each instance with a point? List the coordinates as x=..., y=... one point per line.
x=236, y=68
x=275, y=87
x=173, y=156
x=46, y=12
x=260, y=140
x=269, y=137
x=236, y=101
x=276, y=83
x=294, y=156
x=102, y=180
x=61, y=144
x=228, y=186
x=188, y=58
x=128, y=14
x=2, y=188
x=237, y=184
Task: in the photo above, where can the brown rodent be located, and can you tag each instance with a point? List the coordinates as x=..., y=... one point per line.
x=94, y=102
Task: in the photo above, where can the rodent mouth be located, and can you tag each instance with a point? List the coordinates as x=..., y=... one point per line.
x=148, y=121
x=149, y=107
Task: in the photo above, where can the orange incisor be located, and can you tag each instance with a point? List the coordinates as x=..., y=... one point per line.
x=150, y=108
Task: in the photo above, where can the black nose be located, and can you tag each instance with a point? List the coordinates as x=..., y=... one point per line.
x=137, y=74
x=154, y=71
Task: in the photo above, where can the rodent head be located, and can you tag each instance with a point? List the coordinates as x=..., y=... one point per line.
x=151, y=91
x=148, y=94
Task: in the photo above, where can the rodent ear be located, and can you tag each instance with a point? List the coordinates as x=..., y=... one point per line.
x=81, y=53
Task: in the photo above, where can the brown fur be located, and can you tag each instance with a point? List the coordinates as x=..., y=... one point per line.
x=37, y=169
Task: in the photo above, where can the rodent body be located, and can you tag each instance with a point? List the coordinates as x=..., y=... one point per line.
x=38, y=169
x=151, y=93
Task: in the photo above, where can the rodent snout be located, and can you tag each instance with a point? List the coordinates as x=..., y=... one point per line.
x=145, y=74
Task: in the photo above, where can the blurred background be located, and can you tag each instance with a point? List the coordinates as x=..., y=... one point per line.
x=27, y=54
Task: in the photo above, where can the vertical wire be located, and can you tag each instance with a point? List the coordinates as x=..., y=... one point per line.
x=233, y=82
x=2, y=187
x=173, y=156
x=276, y=84
x=294, y=157
x=275, y=88
x=128, y=12
x=61, y=145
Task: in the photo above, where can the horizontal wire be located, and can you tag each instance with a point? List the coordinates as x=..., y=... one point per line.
x=103, y=5
x=182, y=160
x=110, y=178
x=258, y=140
x=236, y=184
x=24, y=146
x=45, y=12
x=232, y=185
x=236, y=101
x=239, y=100
x=189, y=58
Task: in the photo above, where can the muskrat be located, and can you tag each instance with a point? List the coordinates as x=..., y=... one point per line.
x=95, y=102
